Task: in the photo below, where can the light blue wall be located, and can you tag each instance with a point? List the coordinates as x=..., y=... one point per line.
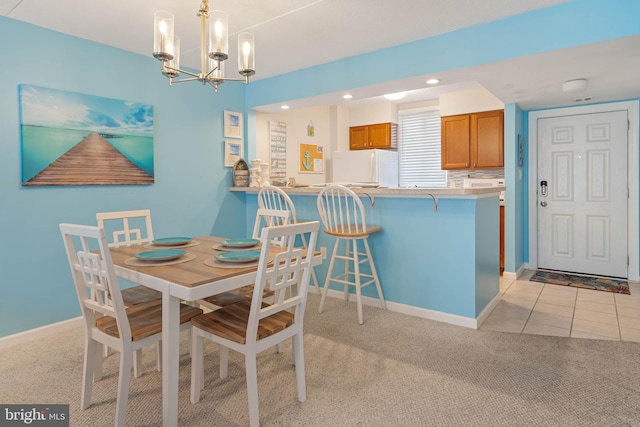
x=515, y=178
x=446, y=261
x=189, y=196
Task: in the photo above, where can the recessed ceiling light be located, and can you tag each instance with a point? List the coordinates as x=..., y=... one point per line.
x=347, y=96
x=433, y=81
x=395, y=96
x=285, y=107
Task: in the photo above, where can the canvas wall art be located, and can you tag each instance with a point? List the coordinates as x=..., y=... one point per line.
x=70, y=138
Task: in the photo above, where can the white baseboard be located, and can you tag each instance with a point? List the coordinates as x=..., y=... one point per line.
x=488, y=309
x=514, y=276
x=423, y=313
x=32, y=334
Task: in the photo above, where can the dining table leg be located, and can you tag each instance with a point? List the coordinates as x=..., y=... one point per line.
x=170, y=358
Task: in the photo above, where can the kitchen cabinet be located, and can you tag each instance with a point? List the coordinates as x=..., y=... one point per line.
x=381, y=135
x=473, y=141
x=501, y=239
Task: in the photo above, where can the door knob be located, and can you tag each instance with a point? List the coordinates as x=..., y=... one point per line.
x=543, y=203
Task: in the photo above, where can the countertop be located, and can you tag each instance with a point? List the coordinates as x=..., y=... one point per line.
x=394, y=192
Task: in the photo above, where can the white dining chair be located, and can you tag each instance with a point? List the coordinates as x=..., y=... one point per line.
x=251, y=326
x=271, y=197
x=107, y=321
x=128, y=228
x=343, y=216
x=264, y=218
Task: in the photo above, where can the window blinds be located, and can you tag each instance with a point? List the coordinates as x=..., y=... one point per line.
x=419, y=149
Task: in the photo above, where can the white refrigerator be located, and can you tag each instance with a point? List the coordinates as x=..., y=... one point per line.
x=372, y=167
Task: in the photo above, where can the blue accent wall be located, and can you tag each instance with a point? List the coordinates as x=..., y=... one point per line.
x=445, y=260
x=516, y=179
x=189, y=196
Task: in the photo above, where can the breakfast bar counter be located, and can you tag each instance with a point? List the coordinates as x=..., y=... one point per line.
x=438, y=254
x=389, y=192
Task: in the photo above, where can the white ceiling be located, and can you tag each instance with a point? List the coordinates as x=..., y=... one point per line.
x=295, y=34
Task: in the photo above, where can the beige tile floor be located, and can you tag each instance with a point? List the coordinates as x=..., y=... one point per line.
x=546, y=309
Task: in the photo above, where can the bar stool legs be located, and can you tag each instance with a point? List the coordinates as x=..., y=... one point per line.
x=352, y=257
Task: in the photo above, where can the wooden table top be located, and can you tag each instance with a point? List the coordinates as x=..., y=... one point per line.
x=190, y=273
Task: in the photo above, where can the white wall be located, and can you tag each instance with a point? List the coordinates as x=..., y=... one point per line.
x=383, y=112
x=417, y=105
x=297, y=121
x=340, y=123
x=468, y=101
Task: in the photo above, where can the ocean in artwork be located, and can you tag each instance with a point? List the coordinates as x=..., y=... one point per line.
x=54, y=123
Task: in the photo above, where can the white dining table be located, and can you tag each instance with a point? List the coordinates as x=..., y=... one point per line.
x=185, y=281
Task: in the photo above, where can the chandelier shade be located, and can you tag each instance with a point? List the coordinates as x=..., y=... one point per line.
x=246, y=56
x=214, y=48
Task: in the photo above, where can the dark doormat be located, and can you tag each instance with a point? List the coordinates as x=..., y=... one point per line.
x=586, y=282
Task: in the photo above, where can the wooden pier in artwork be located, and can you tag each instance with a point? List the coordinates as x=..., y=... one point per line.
x=93, y=161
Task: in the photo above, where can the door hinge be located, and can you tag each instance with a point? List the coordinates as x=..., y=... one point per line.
x=628, y=124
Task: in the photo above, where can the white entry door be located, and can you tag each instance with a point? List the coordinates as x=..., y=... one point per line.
x=583, y=193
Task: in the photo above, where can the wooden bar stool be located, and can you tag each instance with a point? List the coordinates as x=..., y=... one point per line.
x=343, y=216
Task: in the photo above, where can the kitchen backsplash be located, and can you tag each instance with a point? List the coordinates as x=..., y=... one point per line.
x=454, y=178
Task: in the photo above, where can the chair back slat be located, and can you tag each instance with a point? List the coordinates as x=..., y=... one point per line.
x=94, y=276
x=288, y=276
x=266, y=218
x=127, y=227
x=274, y=198
x=341, y=210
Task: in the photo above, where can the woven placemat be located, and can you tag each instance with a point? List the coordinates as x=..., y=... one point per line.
x=220, y=247
x=135, y=262
x=186, y=245
x=212, y=262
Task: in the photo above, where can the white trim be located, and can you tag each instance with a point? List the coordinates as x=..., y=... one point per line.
x=633, y=270
x=424, y=313
x=487, y=310
x=514, y=276
x=42, y=331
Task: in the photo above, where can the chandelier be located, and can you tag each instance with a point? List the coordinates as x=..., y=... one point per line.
x=166, y=48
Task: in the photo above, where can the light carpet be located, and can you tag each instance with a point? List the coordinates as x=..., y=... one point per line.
x=395, y=370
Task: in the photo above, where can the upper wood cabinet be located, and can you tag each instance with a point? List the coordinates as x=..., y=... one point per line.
x=382, y=135
x=473, y=141
x=456, y=142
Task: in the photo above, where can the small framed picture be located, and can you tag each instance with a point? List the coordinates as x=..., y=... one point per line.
x=232, y=124
x=232, y=152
